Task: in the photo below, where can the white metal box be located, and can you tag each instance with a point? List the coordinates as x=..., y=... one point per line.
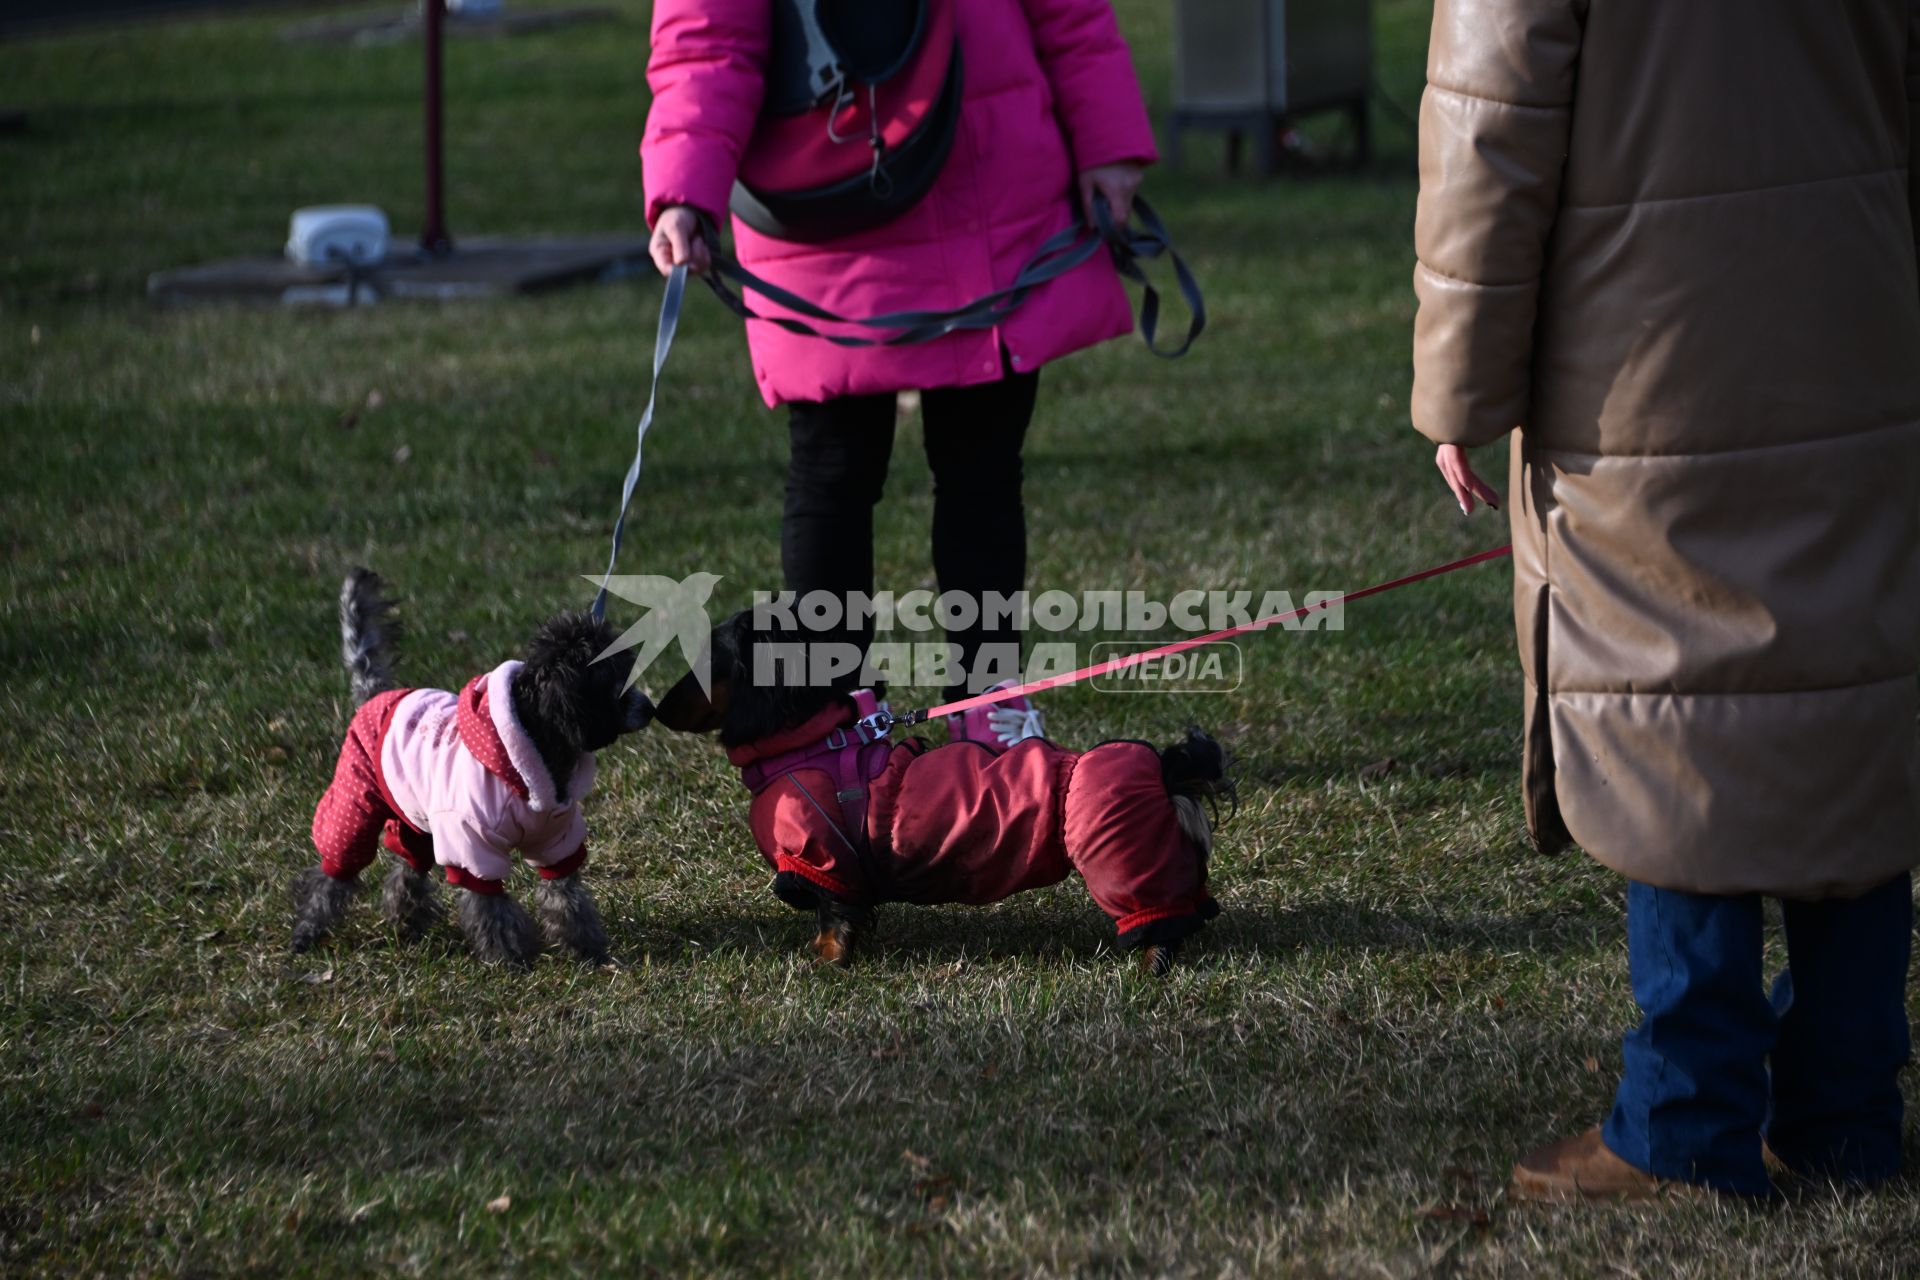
x=337, y=234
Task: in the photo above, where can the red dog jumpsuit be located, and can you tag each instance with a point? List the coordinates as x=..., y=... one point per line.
x=965, y=823
x=436, y=777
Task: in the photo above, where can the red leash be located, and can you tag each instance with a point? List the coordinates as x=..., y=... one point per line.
x=1181, y=646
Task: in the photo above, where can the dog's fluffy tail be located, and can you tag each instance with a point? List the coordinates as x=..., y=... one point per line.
x=368, y=633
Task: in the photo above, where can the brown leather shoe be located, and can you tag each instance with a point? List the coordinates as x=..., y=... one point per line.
x=1583, y=1168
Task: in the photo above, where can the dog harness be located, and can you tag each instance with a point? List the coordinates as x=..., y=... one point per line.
x=852, y=753
x=838, y=808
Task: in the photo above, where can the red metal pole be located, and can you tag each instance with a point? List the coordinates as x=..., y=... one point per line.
x=433, y=235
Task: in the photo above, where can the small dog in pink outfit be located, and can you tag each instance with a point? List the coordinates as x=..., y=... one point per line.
x=464, y=781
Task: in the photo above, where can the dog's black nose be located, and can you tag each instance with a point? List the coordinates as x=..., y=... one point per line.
x=639, y=712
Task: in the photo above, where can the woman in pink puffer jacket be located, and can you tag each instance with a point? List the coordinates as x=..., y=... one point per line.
x=1051, y=114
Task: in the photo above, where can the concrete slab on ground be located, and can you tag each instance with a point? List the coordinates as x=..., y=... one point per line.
x=479, y=267
x=393, y=26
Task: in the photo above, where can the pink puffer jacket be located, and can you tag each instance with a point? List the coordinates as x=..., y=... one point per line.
x=1049, y=91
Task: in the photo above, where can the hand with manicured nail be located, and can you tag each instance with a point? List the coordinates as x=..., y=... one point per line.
x=1460, y=477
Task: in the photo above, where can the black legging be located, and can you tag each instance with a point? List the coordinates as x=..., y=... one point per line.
x=838, y=468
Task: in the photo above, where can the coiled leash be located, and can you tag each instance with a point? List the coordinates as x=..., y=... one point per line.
x=1062, y=252
x=882, y=722
x=1067, y=249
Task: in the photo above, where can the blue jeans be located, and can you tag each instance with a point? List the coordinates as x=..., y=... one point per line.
x=1696, y=1094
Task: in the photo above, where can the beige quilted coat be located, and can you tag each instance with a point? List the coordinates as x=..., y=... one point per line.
x=1673, y=243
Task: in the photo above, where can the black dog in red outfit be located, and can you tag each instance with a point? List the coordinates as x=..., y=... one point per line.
x=848, y=819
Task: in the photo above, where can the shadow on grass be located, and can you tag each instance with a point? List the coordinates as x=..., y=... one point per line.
x=905, y=938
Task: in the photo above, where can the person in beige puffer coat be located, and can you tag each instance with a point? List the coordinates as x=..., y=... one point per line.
x=1670, y=249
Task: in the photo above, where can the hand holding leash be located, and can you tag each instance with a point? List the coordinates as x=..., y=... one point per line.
x=677, y=241
x=1115, y=183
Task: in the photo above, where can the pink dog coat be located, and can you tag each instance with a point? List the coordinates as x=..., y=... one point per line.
x=453, y=780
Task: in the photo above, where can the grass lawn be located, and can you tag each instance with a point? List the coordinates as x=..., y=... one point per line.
x=1398, y=999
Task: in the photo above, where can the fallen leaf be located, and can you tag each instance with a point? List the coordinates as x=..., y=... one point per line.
x=499, y=1204
x=915, y=1160
x=1593, y=1065
x=313, y=979
x=402, y=454
x=1377, y=770
x=274, y=755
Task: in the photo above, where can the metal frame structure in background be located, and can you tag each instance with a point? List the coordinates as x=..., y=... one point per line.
x=1309, y=56
x=434, y=240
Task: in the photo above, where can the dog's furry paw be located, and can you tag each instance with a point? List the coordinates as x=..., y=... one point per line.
x=408, y=902
x=834, y=945
x=319, y=904
x=840, y=927
x=569, y=918
x=1156, y=959
x=498, y=930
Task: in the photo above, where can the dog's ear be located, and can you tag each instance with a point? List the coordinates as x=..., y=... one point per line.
x=562, y=694
x=688, y=708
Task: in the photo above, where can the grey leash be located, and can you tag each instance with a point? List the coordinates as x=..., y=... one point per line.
x=662, y=343
x=1061, y=253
